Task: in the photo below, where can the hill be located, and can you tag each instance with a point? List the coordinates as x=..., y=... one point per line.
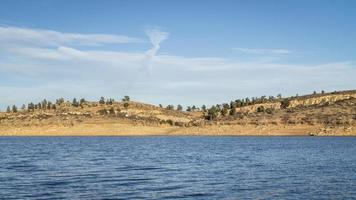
x=323, y=114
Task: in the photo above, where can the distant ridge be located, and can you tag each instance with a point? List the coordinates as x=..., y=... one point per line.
x=318, y=114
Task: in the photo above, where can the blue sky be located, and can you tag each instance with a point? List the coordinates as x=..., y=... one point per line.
x=188, y=52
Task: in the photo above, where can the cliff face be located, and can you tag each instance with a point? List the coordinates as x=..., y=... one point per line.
x=253, y=108
x=326, y=99
x=303, y=101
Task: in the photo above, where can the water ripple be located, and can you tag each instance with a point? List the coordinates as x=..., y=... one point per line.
x=177, y=168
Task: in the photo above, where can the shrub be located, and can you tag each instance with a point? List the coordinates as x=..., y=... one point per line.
x=224, y=111
x=213, y=113
x=269, y=110
x=285, y=103
x=233, y=111
x=261, y=109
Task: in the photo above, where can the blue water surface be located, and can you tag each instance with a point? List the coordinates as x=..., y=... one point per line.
x=177, y=168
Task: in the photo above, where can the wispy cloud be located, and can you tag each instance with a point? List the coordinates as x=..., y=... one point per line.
x=54, y=66
x=16, y=35
x=156, y=37
x=264, y=51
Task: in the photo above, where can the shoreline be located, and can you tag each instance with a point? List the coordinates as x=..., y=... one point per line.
x=126, y=130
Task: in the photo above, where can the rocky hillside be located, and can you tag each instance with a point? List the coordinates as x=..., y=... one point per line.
x=317, y=114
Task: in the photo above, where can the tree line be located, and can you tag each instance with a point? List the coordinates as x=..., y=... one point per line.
x=48, y=105
x=211, y=113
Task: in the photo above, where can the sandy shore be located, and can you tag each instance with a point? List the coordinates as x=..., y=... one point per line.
x=118, y=129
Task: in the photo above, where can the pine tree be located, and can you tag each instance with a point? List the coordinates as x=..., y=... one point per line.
x=44, y=104
x=189, y=109
x=14, y=109
x=233, y=111
x=8, y=109
x=224, y=111
x=179, y=107
x=126, y=98
x=49, y=105
x=213, y=113
x=203, y=108
x=170, y=107
x=82, y=101
x=102, y=100
x=30, y=106
x=60, y=101
x=75, y=103
x=284, y=103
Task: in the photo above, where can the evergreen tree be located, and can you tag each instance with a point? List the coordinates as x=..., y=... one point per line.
x=203, y=108
x=14, y=109
x=213, y=113
x=232, y=104
x=189, y=109
x=102, y=100
x=179, y=107
x=23, y=107
x=75, y=103
x=8, y=109
x=284, y=103
x=110, y=101
x=30, y=106
x=82, y=101
x=170, y=107
x=233, y=111
x=126, y=98
x=224, y=111
x=60, y=101
x=247, y=101
x=49, y=105
x=44, y=104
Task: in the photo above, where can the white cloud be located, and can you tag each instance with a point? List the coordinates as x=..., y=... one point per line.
x=22, y=36
x=29, y=72
x=156, y=37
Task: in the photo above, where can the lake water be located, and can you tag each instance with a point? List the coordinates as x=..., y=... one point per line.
x=177, y=168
